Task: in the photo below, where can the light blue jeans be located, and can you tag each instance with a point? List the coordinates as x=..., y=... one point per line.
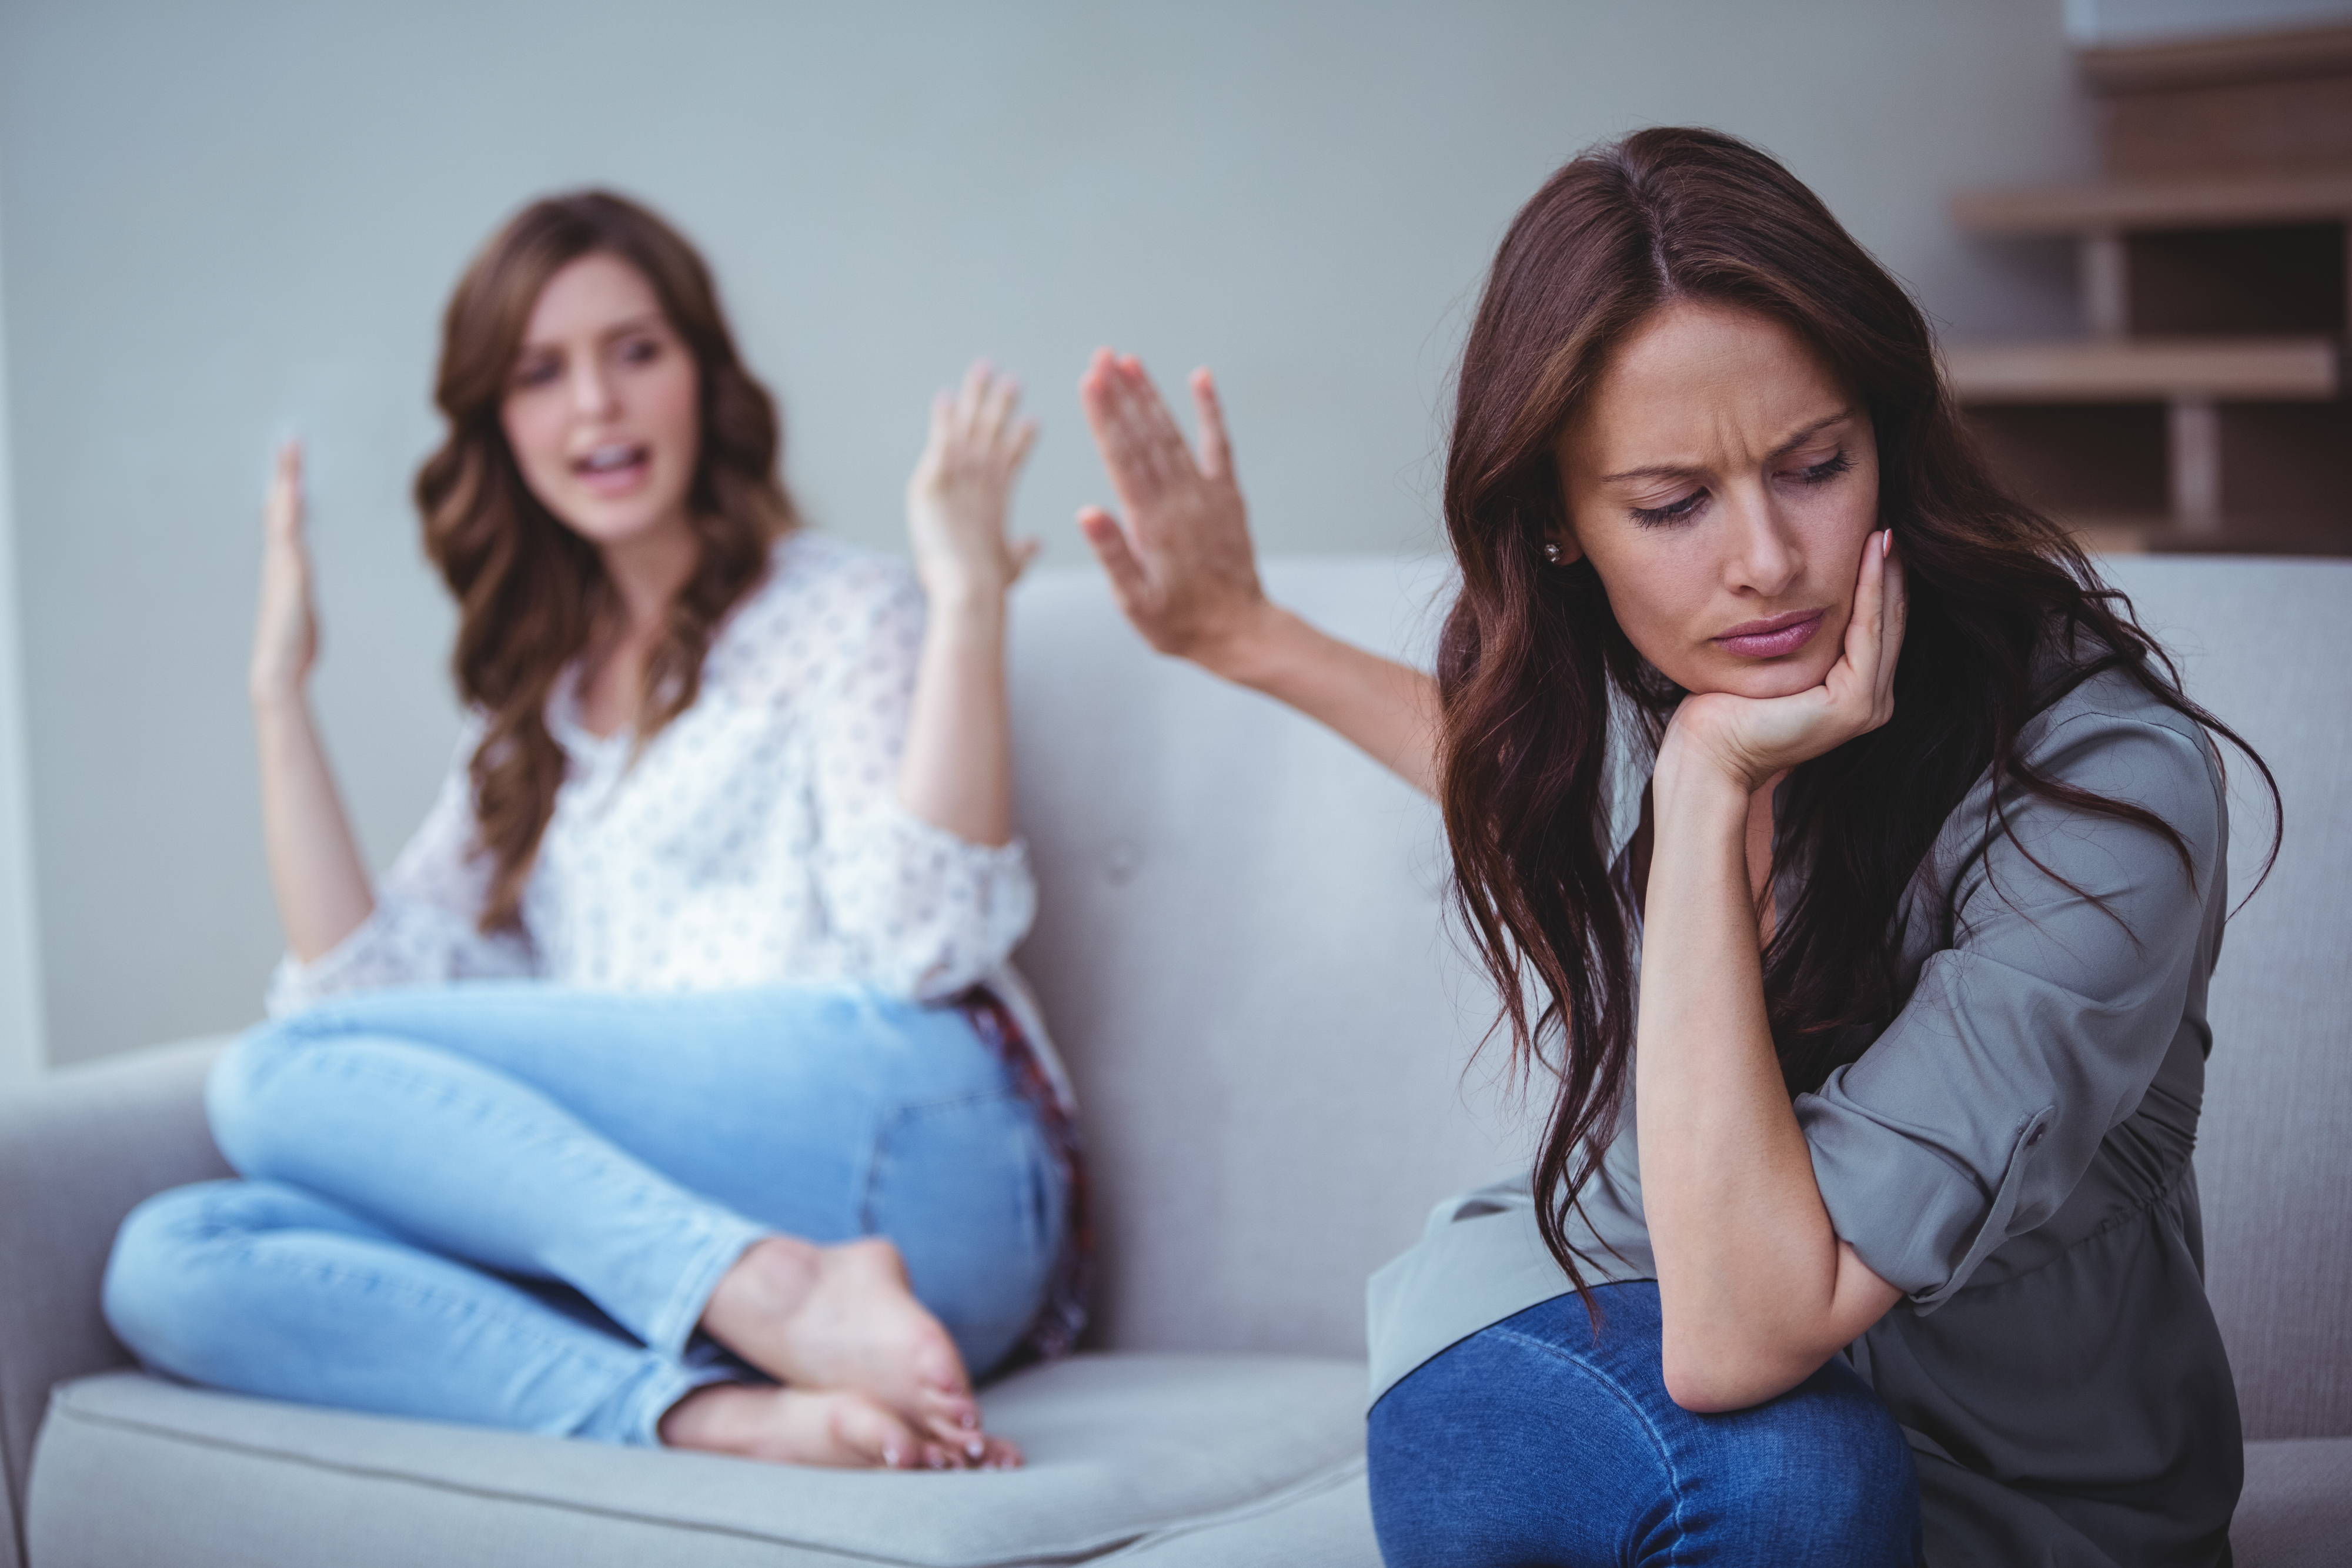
x=506, y=1204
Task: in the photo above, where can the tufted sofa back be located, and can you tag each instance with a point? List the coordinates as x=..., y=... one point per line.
x=1241, y=949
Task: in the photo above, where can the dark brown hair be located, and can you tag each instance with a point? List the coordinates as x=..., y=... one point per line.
x=1533, y=665
x=531, y=592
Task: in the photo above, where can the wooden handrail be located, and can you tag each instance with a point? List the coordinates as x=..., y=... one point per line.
x=2149, y=205
x=2230, y=370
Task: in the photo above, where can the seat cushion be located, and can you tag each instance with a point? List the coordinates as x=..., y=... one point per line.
x=1325, y=1523
x=2296, y=1512
x=131, y=1469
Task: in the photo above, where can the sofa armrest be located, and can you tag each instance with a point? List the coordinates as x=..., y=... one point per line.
x=79, y=1150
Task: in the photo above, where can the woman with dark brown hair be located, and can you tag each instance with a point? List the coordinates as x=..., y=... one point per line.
x=672, y=1086
x=1864, y=1202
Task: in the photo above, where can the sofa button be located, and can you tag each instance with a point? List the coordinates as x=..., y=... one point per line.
x=1122, y=864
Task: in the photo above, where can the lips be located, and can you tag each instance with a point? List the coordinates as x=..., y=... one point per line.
x=1774, y=637
x=613, y=467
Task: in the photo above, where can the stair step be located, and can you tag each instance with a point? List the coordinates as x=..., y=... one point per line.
x=2228, y=370
x=2234, y=200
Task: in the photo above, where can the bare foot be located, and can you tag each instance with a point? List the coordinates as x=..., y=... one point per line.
x=844, y=1318
x=800, y=1426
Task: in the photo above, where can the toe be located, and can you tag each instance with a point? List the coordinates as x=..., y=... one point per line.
x=867, y=1432
x=940, y=1369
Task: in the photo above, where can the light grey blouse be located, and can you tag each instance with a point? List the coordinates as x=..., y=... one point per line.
x=2012, y=1151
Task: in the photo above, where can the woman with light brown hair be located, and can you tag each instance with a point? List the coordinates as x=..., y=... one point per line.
x=1863, y=1219
x=671, y=1087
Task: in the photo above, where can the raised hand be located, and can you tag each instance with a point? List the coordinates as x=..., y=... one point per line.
x=286, y=630
x=962, y=487
x=1749, y=739
x=1181, y=565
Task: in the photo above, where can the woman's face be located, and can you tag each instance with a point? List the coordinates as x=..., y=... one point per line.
x=602, y=409
x=1722, y=483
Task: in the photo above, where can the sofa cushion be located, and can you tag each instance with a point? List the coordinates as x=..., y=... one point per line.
x=1323, y=1523
x=2296, y=1511
x=131, y=1469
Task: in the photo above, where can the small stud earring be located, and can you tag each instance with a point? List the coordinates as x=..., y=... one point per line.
x=1552, y=551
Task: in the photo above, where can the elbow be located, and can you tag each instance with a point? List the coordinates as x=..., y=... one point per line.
x=1717, y=1381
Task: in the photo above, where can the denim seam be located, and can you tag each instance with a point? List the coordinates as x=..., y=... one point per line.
x=887, y=1121
x=529, y=1132
x=674, y=1319
x=644, y=1425
x=1618, y=1391
x=253, y=1257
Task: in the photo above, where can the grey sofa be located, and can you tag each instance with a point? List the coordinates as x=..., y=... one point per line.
x=1242, y=952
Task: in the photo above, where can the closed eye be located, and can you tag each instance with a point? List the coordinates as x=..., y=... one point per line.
x=538, y=371
x=1823, y=473
x=1672, y=511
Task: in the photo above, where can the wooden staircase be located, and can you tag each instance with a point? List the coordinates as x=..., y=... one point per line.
x=2206, y=410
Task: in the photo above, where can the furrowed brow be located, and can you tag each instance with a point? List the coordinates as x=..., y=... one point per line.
x=1672, y=471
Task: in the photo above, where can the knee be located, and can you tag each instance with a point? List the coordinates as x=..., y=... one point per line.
x=241, y=1093
x=151, y=1270
x=1827, y=1471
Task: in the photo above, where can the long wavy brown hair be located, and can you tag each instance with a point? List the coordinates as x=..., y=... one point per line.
x=1533, y=666
x=531, y=594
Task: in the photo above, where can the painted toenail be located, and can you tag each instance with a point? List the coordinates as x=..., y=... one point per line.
x=975, y=1448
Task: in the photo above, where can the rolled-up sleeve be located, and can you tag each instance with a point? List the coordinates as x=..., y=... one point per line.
x=923, y=912
x=2038, y=1030
x=424, y=929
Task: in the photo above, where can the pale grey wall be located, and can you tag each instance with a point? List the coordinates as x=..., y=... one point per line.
x=21, y=1047
x=229, y=221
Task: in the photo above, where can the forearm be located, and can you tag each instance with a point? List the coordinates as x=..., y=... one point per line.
x=1386, y=709
x=956, y=771
x=1750, y=1269
x=315, y=868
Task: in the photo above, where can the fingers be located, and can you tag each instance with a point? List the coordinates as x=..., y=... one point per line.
x=1895, y=616
x=282, y=513
x=979, y=421
x=1102, y=533
x=1140, y=442
x=1216, y=451
x=1024, y=437
x=1874, y=633
x=1153, y=424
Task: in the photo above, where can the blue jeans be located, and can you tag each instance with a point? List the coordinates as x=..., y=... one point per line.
x=508, y=1204
x=1538, y=1442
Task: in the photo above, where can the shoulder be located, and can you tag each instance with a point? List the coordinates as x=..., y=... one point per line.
x=817, y=592
x=814, y=568
x=2106, y=734
x=2110, y=726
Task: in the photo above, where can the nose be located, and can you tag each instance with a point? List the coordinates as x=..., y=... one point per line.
x=593, y=395
x=1762, y=557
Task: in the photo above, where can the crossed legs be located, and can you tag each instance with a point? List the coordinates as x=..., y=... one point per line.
x=606, y=1216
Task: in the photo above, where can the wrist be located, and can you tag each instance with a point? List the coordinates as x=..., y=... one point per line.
x=1250, y=650
x=964, y=601
x=1688, y=783
x=278, y=697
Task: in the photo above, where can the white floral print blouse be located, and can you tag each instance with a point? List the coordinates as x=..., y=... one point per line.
x=757, y=839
